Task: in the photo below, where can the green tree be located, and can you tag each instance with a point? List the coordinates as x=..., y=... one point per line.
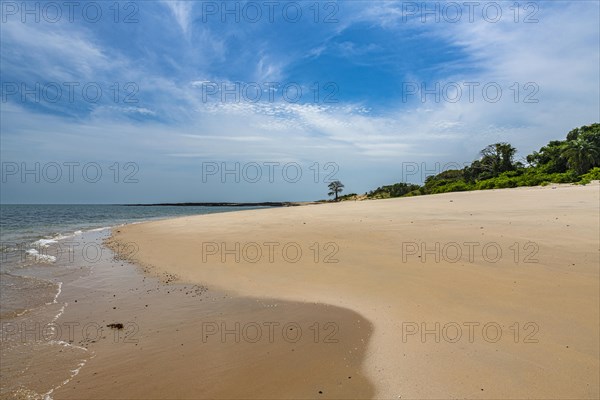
x=581, y=154
x=498, y=157
x=495, y=159
x=335, y=187
x=585, y=130
x=549, y=158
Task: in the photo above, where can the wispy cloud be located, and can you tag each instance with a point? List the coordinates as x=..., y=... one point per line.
x=182, y=12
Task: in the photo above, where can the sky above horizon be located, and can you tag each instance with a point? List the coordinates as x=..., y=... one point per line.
x=174, y=101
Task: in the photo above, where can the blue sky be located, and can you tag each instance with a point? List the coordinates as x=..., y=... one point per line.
x=364, y=59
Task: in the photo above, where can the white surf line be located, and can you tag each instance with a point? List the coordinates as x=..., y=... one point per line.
x=62, y=309
x=100, y=229
x=60, y=312
x=24, y=312
x=57, y=293
x=67, y=344
x=74, y=373
x=40, y=257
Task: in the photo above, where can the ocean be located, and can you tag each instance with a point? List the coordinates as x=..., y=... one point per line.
x=31, y=237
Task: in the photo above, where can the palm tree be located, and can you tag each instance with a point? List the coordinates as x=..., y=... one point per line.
x=581, y=154
x=335, y=187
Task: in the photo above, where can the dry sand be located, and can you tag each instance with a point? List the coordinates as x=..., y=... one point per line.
x=528, y=317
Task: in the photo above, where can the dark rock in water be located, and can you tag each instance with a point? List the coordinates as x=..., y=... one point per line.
x=116, y=325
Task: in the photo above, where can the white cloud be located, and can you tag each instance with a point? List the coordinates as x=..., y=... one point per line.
x=53, y=51
x=182, y=12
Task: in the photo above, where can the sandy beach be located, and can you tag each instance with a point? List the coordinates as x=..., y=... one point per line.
x=487, y=294
x=299, y=200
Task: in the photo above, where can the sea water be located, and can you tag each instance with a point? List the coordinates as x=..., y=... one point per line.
x=30, y=238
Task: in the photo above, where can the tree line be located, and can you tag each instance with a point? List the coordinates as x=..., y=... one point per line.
x=573, y=160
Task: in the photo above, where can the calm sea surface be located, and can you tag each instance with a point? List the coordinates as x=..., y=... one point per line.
x=30, y=237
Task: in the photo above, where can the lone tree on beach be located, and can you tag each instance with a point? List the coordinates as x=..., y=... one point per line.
x=335, y=187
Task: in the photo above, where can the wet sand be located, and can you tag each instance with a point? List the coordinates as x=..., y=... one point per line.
x=488, y=294
x=187, y=341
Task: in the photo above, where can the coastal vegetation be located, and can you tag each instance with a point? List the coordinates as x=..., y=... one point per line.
x=573, y=160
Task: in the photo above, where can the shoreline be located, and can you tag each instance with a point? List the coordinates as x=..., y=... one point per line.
x=376, y=283
x=226, y=204
x=114, y=330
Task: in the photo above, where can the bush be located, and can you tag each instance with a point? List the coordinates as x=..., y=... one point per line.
x=503, y=183
x=459, y=186
x=413, y=193
x=395, y=190
x=484, y=185
x=592, y=175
